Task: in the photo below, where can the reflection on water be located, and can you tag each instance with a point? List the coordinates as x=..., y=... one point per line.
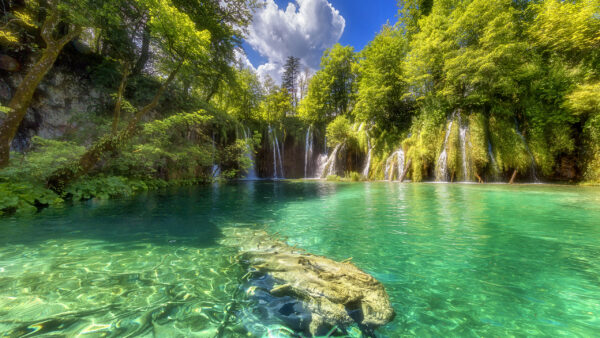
x=455, y=259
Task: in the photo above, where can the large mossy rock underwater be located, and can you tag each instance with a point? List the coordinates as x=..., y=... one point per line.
x=309, y=293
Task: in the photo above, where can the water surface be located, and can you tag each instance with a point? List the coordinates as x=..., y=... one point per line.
x=457, y=260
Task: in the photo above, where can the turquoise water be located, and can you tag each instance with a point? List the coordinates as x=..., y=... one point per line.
x=457, y=260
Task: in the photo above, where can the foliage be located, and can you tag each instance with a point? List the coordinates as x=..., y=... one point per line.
x=43, y=158
x=381, y=84
x=105, y=187
x=339, y=131
x=331, y=90
x=25, y=197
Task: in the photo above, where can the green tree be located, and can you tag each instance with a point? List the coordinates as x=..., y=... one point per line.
x=291, y=69
x=332, y=89
x=381, y=84
x=182, y=46
x=63, y=21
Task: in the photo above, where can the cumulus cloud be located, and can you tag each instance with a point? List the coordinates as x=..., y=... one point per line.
x=304, y=30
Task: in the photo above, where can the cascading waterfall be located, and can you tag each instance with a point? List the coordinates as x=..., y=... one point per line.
x=441, y=168
x=365, y=172
x=533, y=170
x=251, y=173
x=277, y=161
x=330, y=165
x=308, y=150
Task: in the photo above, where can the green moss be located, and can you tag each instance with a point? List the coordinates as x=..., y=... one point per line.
x=333, y=178
x=509, y=150
x=477, y=145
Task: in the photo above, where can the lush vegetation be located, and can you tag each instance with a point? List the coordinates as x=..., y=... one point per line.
x=497, y=88
x=516, y=81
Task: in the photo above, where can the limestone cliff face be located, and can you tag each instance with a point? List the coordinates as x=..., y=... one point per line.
x=60, y=97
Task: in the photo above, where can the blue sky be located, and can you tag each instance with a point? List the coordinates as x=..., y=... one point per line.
x=307, y=27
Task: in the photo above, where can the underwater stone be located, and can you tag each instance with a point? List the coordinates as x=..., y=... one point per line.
x=313, y=293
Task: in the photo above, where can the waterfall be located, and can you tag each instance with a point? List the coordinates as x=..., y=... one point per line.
x=401, y=159
x=463, y=146
x=308, y=150
x=277, y=161
x=395, y=162
x=321, y=162
x=365, y=172
x=215, y=170
x=492, y=158
x=330, y=165
x=533, y=171
x=251, y=173
x=441, y=168
x=388, y=166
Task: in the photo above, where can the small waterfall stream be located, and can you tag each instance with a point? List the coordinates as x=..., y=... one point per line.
x=308, y=150
x=463, y=145
x=441, y=168
x=365, y=172
x=394, y=163
x=533, y=170
x=277, y=161
x=251, y=173
x=400, y=160
x=330, y=168
x=493, y=159
x=216, y=169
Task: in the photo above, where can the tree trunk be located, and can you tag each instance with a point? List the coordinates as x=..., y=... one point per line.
x=117, y=110
x=512, y=178
x=405, y=171
x=63, y=176
x=144, y=53
x=478, y=178
x=22, y=98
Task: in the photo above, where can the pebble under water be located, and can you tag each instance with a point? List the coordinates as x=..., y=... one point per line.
x=456, y=260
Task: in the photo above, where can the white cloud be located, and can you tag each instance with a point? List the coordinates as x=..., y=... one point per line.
x=304, y=29
x=242, y=59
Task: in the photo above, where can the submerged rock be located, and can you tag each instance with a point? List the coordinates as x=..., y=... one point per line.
x=310, y=293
